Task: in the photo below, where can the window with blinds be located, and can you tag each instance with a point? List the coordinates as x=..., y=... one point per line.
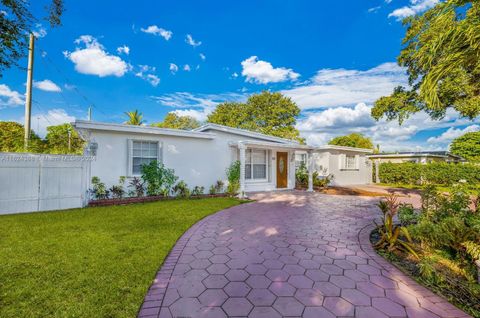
x=143, y=152
x=255, y=164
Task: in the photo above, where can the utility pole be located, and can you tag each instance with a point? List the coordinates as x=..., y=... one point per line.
x=89, y=113
x=28, y=100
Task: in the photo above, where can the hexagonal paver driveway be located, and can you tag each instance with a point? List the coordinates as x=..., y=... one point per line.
x=289, y=254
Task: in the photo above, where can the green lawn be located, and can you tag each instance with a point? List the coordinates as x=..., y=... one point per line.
x=91, y=262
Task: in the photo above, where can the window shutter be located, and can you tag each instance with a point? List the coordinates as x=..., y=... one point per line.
x=357, y=162
x=160, y=152
x=341, y=161
x=129, y=157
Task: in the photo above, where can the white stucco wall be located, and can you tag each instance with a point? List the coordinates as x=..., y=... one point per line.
x=199, y=162
x=362, y=175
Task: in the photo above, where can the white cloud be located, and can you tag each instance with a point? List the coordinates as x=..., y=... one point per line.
x=415, y=6
x=123, y=49
x=47, y=85
x=374, y=9
x=234, y=75
x=155, y=30
x=202, y=56
x=9, y=97
x=452, y=133
x=262, y=72
x=94, y=60
x=342, y=87
x=40, y=31
x=198, y=106
x=146, y=73
x=190, y=41
x=187, y=68
x=173, y=68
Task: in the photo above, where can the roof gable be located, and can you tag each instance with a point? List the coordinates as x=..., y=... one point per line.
x=244, y=132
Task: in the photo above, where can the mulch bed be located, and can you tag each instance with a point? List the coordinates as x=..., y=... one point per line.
x=124, y=201
x=344, y=191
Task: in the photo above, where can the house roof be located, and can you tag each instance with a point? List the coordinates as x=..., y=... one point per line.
x=90, y=125
x=405, y=154
x=343, y=148
x=244, y=132
x=271, y=145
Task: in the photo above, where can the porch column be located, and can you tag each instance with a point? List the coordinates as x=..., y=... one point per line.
x=377, y=171
x=310, y=171
x=242, y=147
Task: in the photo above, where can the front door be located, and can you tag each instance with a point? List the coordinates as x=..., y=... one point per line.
x=282, y=170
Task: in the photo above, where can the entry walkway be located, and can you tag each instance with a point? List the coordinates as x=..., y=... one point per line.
x=290, y=254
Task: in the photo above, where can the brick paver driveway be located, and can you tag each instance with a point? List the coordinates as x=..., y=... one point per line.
x=290, y=254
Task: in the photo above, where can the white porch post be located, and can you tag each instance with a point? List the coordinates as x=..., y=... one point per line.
x=310, y=171
x=242, y=147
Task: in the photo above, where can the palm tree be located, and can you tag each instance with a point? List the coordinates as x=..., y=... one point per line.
x=134, y=118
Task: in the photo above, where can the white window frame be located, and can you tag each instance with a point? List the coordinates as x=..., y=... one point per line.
x=347, y=165
x=251, y=179
x=130, y=158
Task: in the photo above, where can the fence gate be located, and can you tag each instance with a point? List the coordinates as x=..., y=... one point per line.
x=36, y=182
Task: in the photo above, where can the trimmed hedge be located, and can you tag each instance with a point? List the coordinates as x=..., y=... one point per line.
x=440, y=173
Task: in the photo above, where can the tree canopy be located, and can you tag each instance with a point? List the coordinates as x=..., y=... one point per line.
x=441, y=53
x=355, y=140
x=134, y=118
x=174, y=121
x=267, y=113
x=63, y=139
x=12, y=138
x=16, y=22
x=467, y=146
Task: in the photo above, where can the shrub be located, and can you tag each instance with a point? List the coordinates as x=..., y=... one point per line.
x=219, y=186
x=118, y=190
x=319, y=179
x=158, y=178
x=233, y=177
x=301, y=175
x=407, y=214
x=212, y=190
x=198, y=190
x=99, y=190
x=181, y=189
x=440, y=173
x=138, y=187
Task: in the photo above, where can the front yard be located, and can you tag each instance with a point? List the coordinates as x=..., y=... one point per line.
x=92, y=262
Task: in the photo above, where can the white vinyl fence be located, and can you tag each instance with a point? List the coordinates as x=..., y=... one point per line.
x=36, y=182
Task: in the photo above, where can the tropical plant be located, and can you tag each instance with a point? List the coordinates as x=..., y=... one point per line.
x=17, y=20
x=138, y=187
x=393, y=237
x=219, y=186
x=181, y=189
x=158, y=178
x=99, y=190
x=233, y=177
x=212, y=190
x=198, y=190
x=356, y=140
x=441, y=49
x=407, y=214
x=118, y=191
x=174, y=121
x=268, y=113
x=134, y=118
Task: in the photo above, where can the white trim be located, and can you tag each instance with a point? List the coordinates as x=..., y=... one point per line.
x=343, y=148
x=130, y=154
x=244, y=132
x=89, y=125
x=269, y=145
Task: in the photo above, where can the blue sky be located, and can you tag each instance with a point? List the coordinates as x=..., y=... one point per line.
x=332, y=58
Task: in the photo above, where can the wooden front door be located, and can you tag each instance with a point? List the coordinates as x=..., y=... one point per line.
x=282, y=170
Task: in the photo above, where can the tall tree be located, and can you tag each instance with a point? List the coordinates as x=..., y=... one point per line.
x=63, y=139
x=16, y=22
x=441, y=53
x=174, y=121
x=134, y=118
x=353, y=140
x=467, y=146
x=12, y=138
x=268, y=113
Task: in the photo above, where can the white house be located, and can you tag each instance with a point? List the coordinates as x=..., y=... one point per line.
x=201, y=157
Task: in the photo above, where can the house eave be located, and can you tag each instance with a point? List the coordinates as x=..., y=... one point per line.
x=89, y=125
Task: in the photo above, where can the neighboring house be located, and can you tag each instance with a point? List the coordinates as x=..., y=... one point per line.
x=200, y=157
x=417, y=157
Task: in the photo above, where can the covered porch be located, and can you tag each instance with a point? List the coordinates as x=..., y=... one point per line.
x=269, y=166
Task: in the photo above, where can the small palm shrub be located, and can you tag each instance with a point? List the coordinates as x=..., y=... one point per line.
x=137, y=187
x=233, y=177
x=99, y=190
x=181, y=189
x=198, y=190
x=118, y=190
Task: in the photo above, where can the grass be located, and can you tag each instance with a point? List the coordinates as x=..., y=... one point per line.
x=91, y=262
